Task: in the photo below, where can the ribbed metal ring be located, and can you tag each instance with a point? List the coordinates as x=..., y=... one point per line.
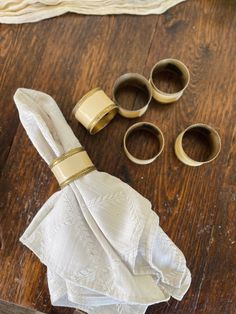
x=95, y=110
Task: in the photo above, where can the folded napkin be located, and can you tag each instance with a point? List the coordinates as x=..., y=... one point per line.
x=100, y=240
x=25, y=11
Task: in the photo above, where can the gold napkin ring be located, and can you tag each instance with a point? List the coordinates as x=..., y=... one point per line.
x=95, y=110
x=71, y=165
x=214, y=142
x=135, y=80
x=172, y=65
x=150, y=128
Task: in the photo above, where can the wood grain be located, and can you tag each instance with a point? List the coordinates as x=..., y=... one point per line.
x=11, y=308
x=69, y=55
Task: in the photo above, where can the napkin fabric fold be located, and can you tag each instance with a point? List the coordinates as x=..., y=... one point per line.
x=99, y=238
x=26, y=11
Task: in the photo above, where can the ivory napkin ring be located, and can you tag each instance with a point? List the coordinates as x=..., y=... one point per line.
x=71, y=165
x=135, y=80
x=175, y=66
x=150, y=128
x=95, y=110
x=214, y=142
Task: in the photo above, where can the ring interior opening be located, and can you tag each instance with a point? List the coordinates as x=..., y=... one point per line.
x=144, y=143
x=168, y=78
x=104, y=121
x=132, y=94
x=200, y=144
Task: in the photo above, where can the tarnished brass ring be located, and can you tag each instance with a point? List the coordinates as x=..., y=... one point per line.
x=135, y=80
x=174, y=66
x=95, y=110
x=214, y=142
x=150, y=128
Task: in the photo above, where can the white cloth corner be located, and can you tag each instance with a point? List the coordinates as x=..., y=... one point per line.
x=100, y=240
x=26, y=11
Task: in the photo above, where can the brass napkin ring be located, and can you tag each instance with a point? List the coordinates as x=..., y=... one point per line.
x=150, y=128
x=214, y=141
x=71, y=165
x=172, y=65
x=135, y=80
x=95, y=110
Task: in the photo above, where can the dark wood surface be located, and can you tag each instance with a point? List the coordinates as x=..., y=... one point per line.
x=69, y=55
x=11, y=308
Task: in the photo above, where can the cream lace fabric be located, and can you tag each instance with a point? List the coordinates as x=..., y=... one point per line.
x=100, y=240
x=25, y=11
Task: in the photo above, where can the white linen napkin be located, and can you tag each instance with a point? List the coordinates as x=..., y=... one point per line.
x=26, y=11
x=100, y=240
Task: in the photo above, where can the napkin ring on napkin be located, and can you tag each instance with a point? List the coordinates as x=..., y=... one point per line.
x=71, y=165
x=174, y=66
x=95, y=110
x=213, y=139
x=135, y=80
x=150, y=128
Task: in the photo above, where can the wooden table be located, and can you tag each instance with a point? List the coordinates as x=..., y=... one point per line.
x=69, y=55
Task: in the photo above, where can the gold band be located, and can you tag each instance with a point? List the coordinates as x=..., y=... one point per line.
x=95, y=110
x=172, y=65
x=214, y=142
x=150, y=128
x=71, y=165
x=65, y=156
x=77, y=175
x=135, y=80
